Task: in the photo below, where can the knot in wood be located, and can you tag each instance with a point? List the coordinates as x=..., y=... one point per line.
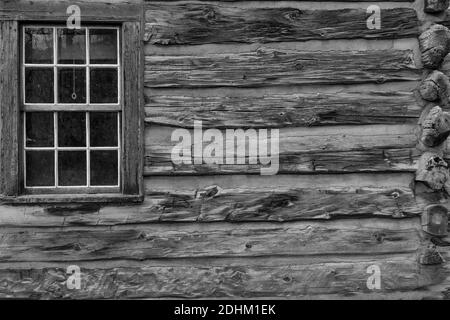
x=209, y=13
x=379, y=236
x=395, y=194
x=299, y=66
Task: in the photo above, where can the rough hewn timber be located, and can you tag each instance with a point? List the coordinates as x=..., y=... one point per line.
x=9, y=108
x=436, y=87
x=265, y=67
x=246, y=279
x=199, y=23
x=435, y=127
x=279, y=111
x=435, y=6
x=285, y=0
x=433, y=171
x=50, y=10
x=214, y=204
x=132, y=115
x=314, y=149
x=142, y=242
x=434, y=45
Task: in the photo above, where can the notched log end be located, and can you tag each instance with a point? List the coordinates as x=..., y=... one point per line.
x=434, y=45
x=435, y=127
x=433, y=171
x=435, y=6
x=436, y=87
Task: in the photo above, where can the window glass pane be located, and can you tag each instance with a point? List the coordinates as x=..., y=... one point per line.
x=103, y=46
x=103, y=85
x=40, y=168
x=103, y=129
x=39, y=45
x=71, y=129
x=39, y=129
x=71, y=46
x=104, y=168
x=72, y=85
x=39, y=85
x=72, y=168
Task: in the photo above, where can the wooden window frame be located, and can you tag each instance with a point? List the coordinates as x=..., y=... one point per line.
x=132, y=126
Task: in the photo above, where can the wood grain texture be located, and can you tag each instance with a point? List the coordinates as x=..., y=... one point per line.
x=401, y=275
x=282, y=110
x=91, y=11
x=132, y=115
x=214, y=204
x=9, y=108
x=301, y=150
x=265, y=67
x=142, y=242
x=200, y=23
x=280, y=0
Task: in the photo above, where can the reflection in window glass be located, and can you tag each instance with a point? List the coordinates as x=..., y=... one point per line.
x=103, y=46
x=39, y=45
x=71, y=46
x=69, y=142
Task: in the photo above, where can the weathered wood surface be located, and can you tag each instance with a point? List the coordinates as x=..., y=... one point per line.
x=50, y=10
x=245, y=279
x=314, y=149
x=9, y=108
x=282, y=110
x=435, y=127
x=265, y=67
x=281, y=0
x=214, y=204
x=140, y=242
x=435, y=6
x=132, y=116
x=434, y=44
x=199, y=23
x=436, y=87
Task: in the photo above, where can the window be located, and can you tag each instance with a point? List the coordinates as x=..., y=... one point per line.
x=78, y=95
x=71, y=94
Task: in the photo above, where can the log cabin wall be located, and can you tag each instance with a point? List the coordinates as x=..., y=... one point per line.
x=345, y=102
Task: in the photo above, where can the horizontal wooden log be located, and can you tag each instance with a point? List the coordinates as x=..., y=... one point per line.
x=210, y=240
x=244, y=280
x=265, y=67
x=279, y=111
x=214, y=204
x=315, y=149
x=241, y=198
x=91, y=11
x=284, y=0
x=200, y=23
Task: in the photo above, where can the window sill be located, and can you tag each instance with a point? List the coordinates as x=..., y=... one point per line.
x=106, y=198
